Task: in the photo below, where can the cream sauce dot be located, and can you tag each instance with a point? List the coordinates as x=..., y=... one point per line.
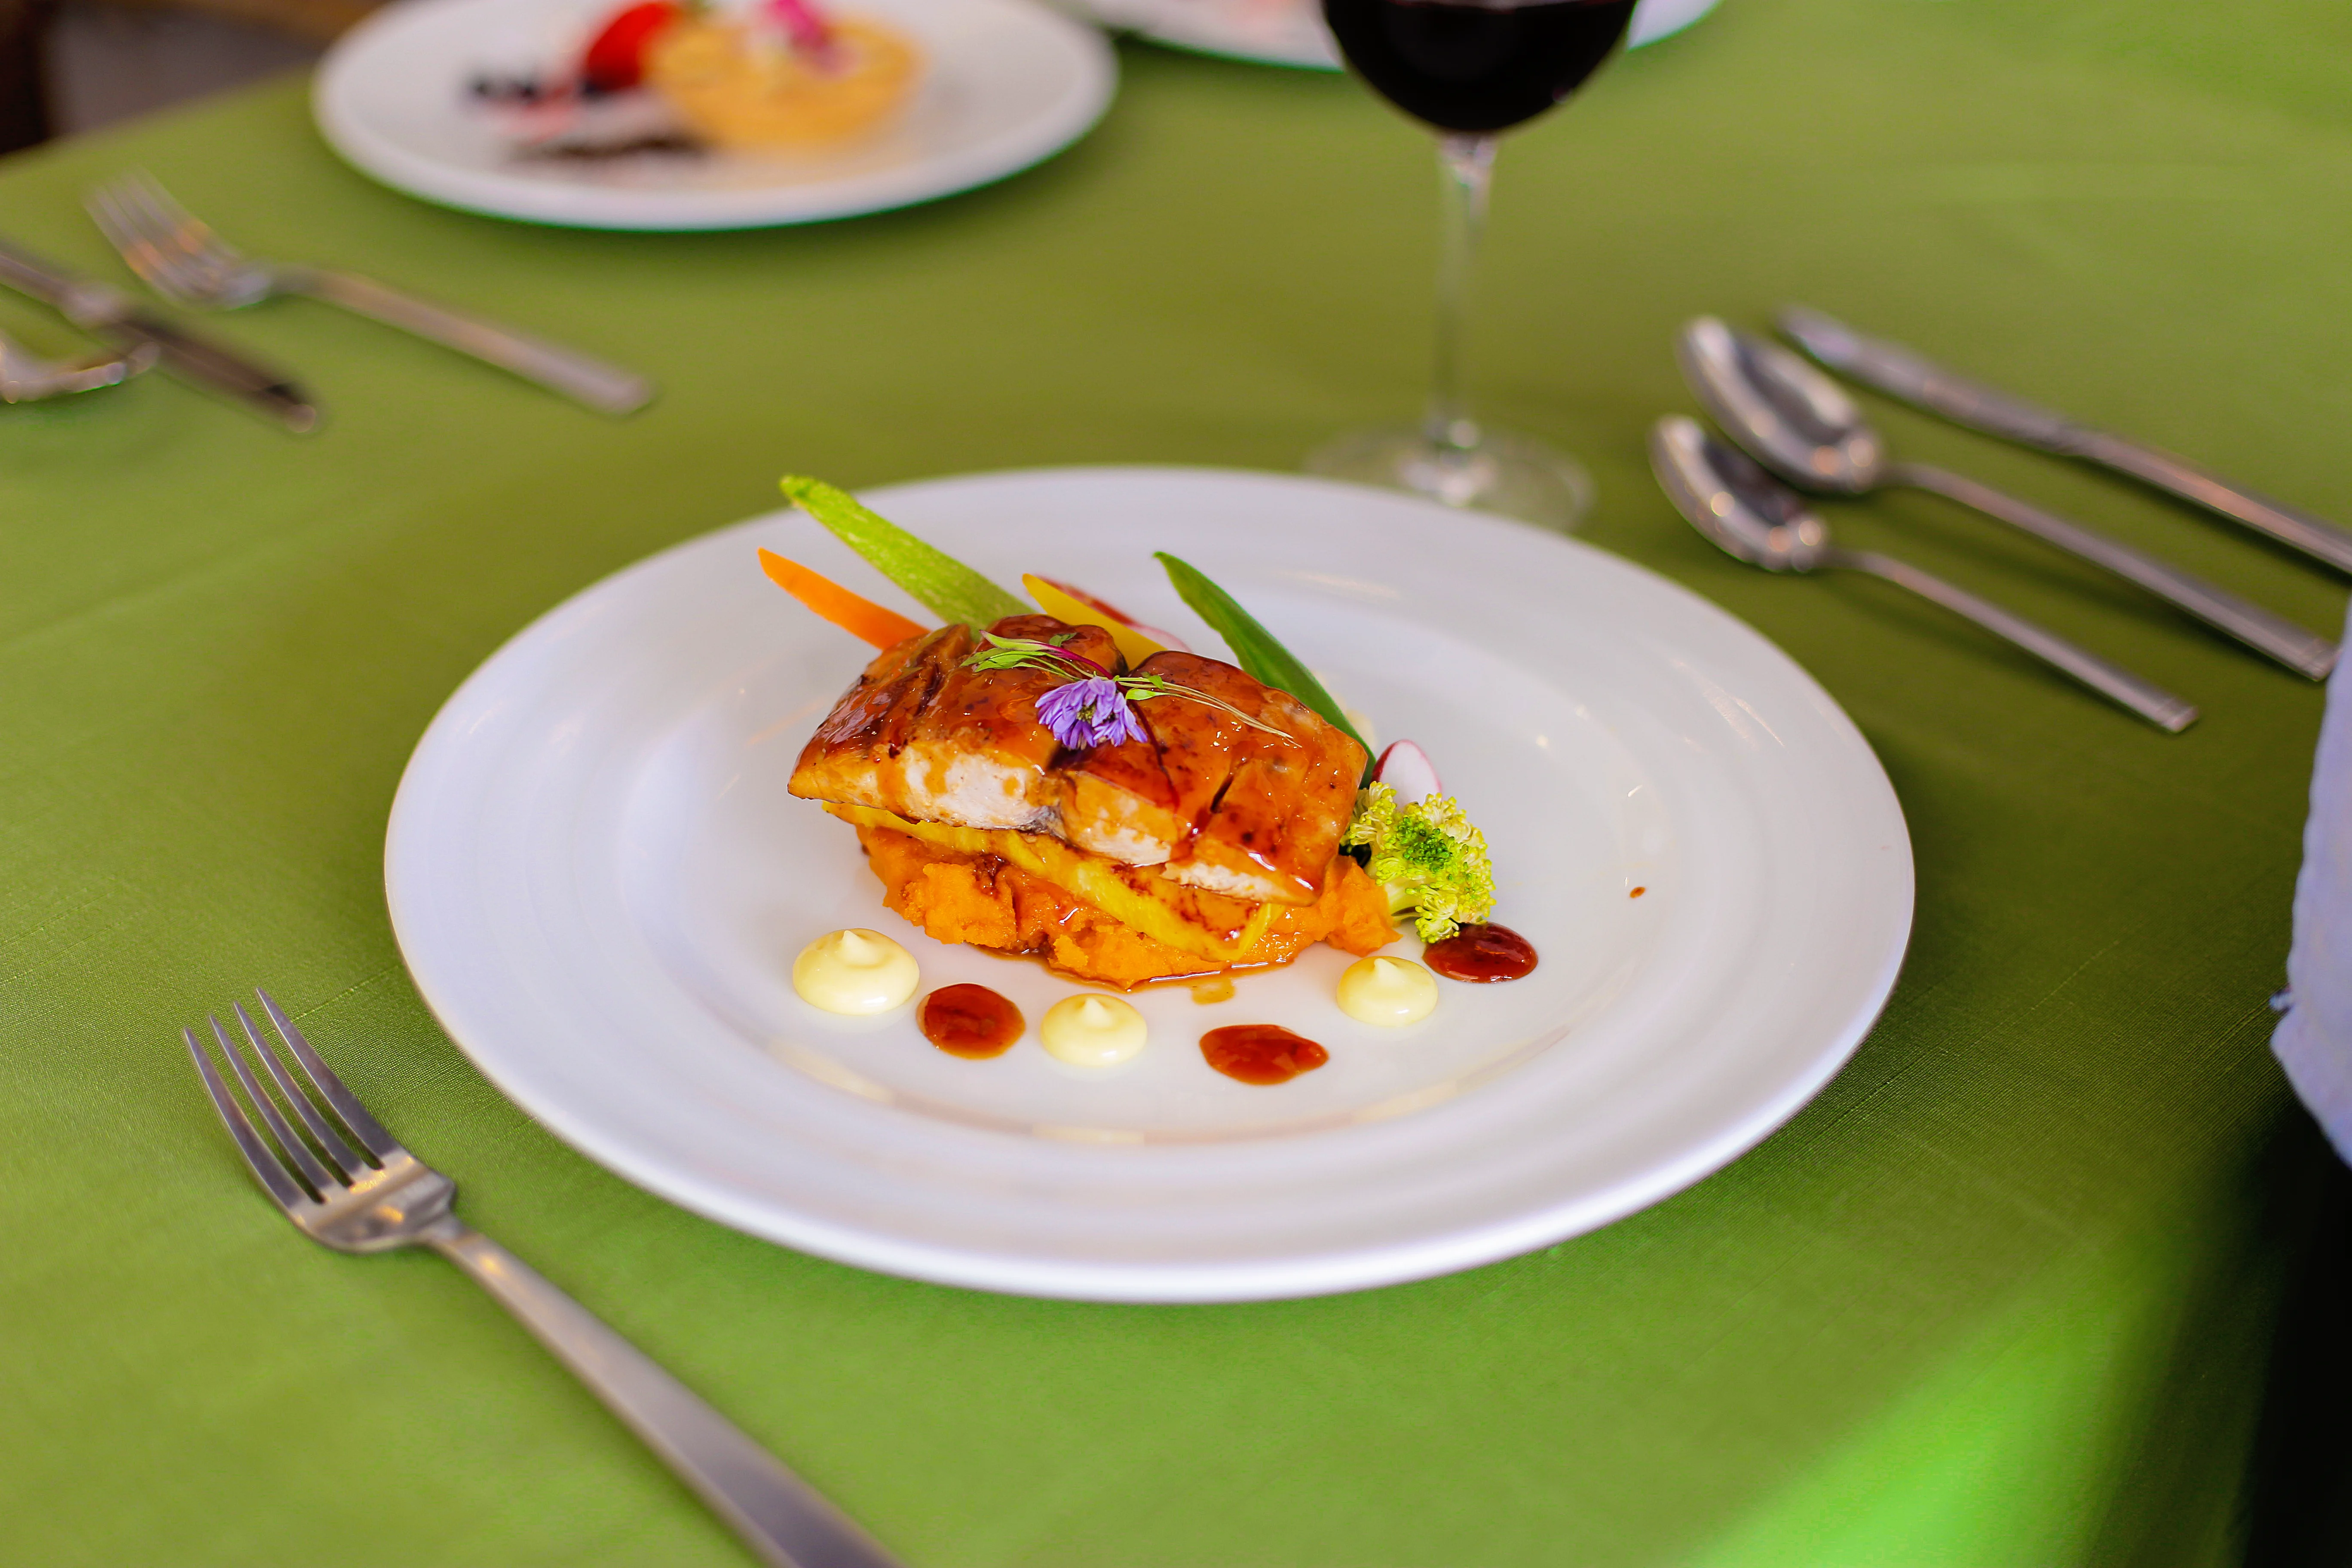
x=1091, y=1031
x=1388, y=992
x=855, y=970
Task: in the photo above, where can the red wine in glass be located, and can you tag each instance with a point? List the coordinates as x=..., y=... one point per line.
x=1476, y=68
x=1469, y=70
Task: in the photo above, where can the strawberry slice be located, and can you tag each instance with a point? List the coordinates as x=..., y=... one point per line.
x=615, y=60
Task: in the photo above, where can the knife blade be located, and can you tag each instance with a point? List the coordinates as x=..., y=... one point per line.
x=109, y=314
x=1903, y=374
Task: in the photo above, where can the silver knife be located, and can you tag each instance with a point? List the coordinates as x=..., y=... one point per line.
x=112, y=316
x=1898, y=371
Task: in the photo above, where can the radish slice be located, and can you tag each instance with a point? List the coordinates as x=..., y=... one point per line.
x=1406, y=769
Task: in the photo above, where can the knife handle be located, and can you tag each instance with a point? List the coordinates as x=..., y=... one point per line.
x=2305, y=652
x=2299, y=529
x=195, y=360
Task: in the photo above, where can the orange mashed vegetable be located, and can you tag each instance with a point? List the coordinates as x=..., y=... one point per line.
x=981, y=898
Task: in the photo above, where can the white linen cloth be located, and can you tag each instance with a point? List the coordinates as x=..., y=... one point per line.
x=2314, y=1041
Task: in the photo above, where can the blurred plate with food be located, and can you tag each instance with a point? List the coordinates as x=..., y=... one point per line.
x=652, y=115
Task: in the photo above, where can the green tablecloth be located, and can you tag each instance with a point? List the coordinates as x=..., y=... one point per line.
x=2000, y=1296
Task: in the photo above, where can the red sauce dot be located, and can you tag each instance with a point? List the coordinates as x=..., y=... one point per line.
x=970, y=1021
x=1261, y=1053
x=1482, y=954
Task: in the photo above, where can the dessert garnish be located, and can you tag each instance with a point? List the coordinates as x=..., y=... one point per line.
x=1092, y=1031
x=1388, y=992
x=615, y=57
x=660, y=77
x=854, y=971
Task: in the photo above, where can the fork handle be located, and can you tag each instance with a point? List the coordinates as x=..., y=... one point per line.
x=783, y=1518
x=600, y=385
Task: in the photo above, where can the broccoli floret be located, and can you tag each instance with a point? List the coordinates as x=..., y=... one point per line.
x=1429, y=857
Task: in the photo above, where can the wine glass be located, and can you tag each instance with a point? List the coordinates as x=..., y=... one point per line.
x=1470, y=69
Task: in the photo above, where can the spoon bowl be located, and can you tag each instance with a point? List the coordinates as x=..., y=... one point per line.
x=1735, y=503
x=1789, y=416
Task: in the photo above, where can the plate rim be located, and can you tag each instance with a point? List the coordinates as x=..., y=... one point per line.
x=1362, y=1268
x=554, y=205
x=1221, y=43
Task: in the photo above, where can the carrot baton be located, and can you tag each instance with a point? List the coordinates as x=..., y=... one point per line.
x=860, y=617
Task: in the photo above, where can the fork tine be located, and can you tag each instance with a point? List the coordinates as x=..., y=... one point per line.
x=289, y=1142
x=149, y=252
x=189, y=234
x=123, y=232
x=106, y=210
x=266, y=1168
x=337, y=1149
x=378, y=1141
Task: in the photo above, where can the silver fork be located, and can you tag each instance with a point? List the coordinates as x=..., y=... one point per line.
x=387, y=1198
x=186, y=261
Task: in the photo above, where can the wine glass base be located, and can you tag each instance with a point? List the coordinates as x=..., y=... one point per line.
x=1515, y=476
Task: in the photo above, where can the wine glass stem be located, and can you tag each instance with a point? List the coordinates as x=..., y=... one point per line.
x=1465, y=166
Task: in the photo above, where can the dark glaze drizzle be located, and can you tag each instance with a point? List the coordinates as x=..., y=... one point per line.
x=1482, y=954
x=1261, y=1053
x=970, y=1021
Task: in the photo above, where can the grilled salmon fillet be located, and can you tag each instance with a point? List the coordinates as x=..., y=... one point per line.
x=1214, y=803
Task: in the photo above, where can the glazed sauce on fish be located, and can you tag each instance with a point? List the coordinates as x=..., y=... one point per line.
x=1261, y=1053
x=1482, y=954
x=970, y=1021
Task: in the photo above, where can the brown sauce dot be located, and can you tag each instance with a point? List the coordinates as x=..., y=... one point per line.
x=1261, y=1053
x=1637, y=892
x=970, y=1021
x=1482, y=954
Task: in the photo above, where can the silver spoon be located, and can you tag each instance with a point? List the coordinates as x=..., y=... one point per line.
x=1753, y=516
x=1801, y=425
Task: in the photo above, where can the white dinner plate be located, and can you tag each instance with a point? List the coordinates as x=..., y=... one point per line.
x=599, y=883
x=1006, y=84
x=1291, y=32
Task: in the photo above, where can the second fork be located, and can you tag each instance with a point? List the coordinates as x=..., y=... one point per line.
x=183, y=259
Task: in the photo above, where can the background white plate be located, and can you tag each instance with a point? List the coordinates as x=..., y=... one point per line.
x=1007, y=83
x=599, y=883
x=1291, y=32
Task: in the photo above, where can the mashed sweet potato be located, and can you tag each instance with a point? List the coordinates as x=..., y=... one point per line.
x=984, y=899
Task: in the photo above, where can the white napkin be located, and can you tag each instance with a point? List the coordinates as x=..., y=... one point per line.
x=2314, y=1041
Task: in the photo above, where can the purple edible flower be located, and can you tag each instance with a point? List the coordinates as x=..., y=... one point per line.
x=1093, y=713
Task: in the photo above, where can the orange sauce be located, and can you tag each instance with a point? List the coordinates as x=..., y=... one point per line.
x=970, y=1021
x=1261, y=1053
x=1482, y=954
